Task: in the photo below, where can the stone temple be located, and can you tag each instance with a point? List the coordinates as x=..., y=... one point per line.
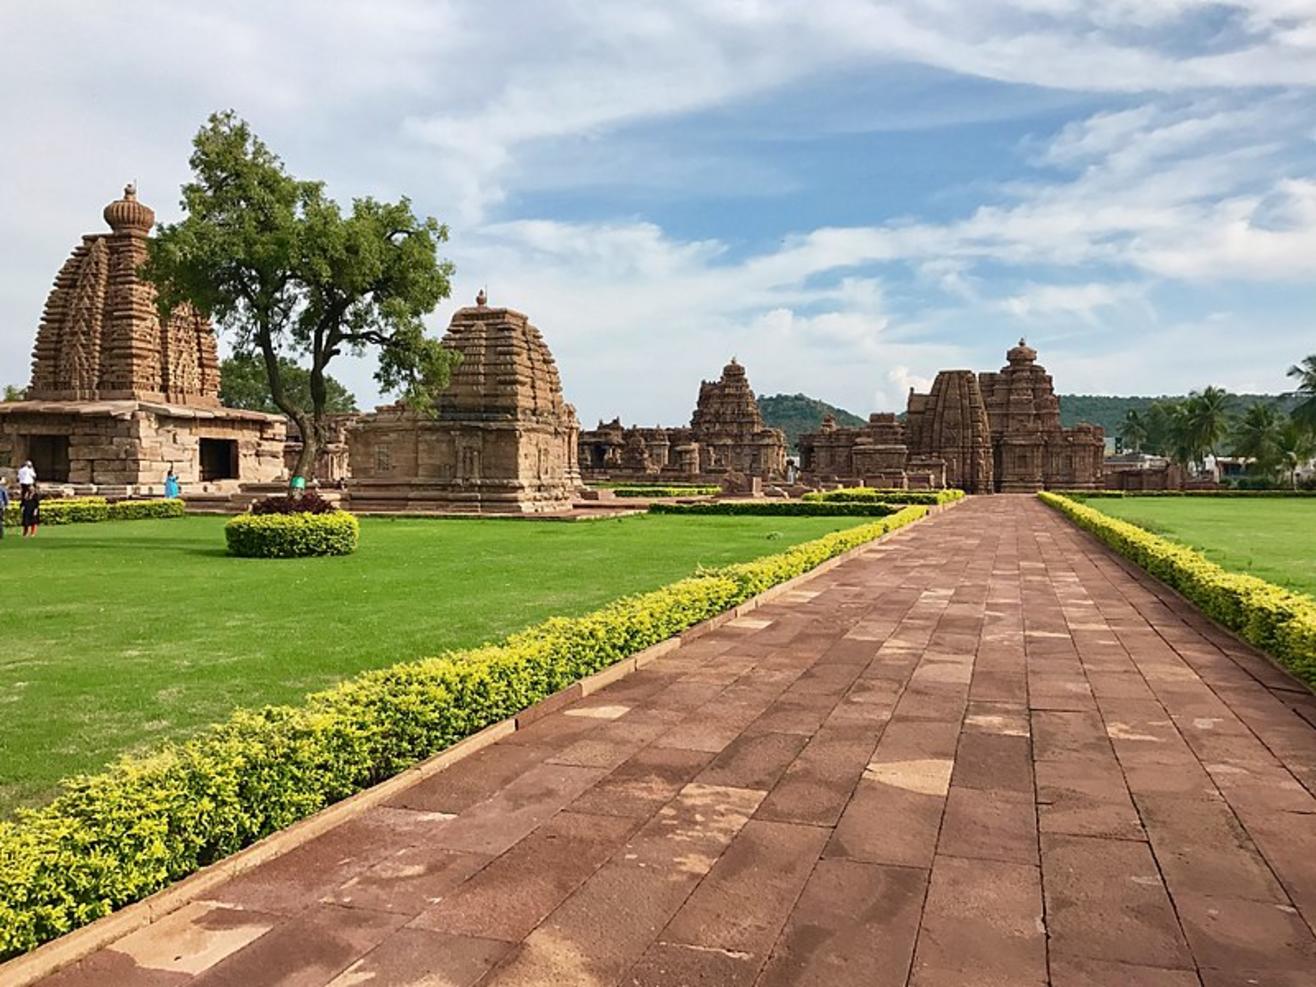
x=979, y=432
x=726, y=436
x=117, y=398
x=502, y=440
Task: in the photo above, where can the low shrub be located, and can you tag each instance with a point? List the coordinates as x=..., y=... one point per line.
x=112, y=838
x=141, y=510
x=1276, y=620
x=89, y=510
x=292, y=536
x=864, y=495
x=309, y=502
x=665, y=491
x=778, y=508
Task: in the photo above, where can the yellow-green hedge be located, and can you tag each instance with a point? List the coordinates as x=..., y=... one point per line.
x=1279, y=621
x=292, y=536
x=665, y=490
x=864, y=495
x=84, y=510
x=112, y=838
x=778, y=508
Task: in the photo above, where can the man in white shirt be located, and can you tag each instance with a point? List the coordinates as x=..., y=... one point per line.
x=27, y=476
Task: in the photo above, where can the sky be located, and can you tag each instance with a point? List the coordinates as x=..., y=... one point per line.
x=847, y=196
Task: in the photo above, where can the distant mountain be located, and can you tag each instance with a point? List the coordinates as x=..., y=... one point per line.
x=1108, y=411
x=796, y=414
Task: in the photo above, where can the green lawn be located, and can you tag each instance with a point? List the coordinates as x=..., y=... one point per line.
x=119, y=634
x=1270, y=537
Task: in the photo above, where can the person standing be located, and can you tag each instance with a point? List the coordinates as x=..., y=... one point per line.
x=27, y=477
x=4, y=504
x=172, y=489
x=31, y=510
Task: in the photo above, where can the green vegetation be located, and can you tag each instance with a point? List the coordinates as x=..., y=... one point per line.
x=13, y=393
x=113, y=838
x=665, y=490
x=88, y=510
x=778, y=508
x=1109, y=411
x=1273, y=538
x=868, y=495
x=292, y=536
x=796, y=414
x=132, y=633
x=243, y=384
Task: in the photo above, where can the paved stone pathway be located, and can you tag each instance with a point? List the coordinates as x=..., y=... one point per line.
x=983, y=753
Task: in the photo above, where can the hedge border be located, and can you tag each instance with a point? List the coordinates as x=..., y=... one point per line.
x=780, y=508
x=93, y=510
x=664, y=490
x=708, y=599
x=1278, y=621
x=864, y=495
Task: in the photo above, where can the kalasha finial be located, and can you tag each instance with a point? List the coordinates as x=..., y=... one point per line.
x=481, y=298
x=129, y=215
x=130, y=191
x=1022, y=342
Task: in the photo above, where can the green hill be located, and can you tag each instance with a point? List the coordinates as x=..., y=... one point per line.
x=1108, y=411
x=796, y=414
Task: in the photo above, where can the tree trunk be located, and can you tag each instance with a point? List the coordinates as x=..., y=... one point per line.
x=280, y=398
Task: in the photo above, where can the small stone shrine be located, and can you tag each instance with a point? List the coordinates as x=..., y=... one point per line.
x=950, y=422
x=502, y=439
x=117, y=398
x=726, y=435
x=875, y=454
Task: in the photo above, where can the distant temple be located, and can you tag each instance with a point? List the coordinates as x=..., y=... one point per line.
x=726, y=436
x=981, y=433
x=502, y=440
x=117, y=398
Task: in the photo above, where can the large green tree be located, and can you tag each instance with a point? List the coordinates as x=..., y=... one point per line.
x=1206, y=420
x=244, y=384
x=1256, y=436
x=1133, y=431
x=1305, y=374
x=278, y=264
x=14, y=393
x=1295, y=446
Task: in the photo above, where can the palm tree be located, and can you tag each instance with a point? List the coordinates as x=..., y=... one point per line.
x=1305, y=374
x=1255, y=436
x=1295, y=446
x=1133, y=431
x=1207, y=419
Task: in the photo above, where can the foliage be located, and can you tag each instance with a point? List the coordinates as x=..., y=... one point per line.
x=244, y=384
x=777, y=508
x=796, y=414
x=1295, y=445
x=661, y=490
x=864, y=495
x=1110, y=411
x=1276, y=620
x=112, y=838
x=1255, y=437
x=88, y=510
x=292, y=536
x=309, y=502
x=1132, y=431
x=14, y=393
x=1304, y=412
x=276, y=262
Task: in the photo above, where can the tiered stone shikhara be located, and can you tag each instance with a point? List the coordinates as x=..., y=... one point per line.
x=502, y=440
x=117, y=397
x=984, y=432
x=726, y=436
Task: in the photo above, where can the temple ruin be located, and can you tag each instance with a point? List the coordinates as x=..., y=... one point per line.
x=979, y=432
x=117, y=397
x=726, y=436
x=501, y=440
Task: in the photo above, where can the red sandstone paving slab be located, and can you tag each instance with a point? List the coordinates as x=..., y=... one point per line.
x=744, y=901
x=854, y=926
x=644, y=783
x=1234, y=934
x=1000, y=826
x=1060, y=735
x=494, y=825
x=472, y=779
x=1105, y=900
x=895, y=814
x=1287, y=841
x=507, y=899
x=1074, y=971
x=982, y=924
x=1088, y=797
x=817, y=785
x=614, y=743
x=194, y=938
x=416, y=957
x=407, y=880
x=994, y=762
x=753, y=760
x=307, y=951
x=107, y=967
x=676, y=965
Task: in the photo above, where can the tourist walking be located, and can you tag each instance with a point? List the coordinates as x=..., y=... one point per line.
x=4, y=504
x=172, y=489
x=27, y=477
x=31, y=510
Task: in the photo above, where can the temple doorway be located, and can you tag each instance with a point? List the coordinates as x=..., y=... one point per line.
x=50, y=457
x=219, y=459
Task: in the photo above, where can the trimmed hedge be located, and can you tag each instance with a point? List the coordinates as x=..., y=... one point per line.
x=864, y=495
x=115, y=837
x=1276, y=620
x=88, y=510
x=292, y=536
x=778, y=508
x=665, y=491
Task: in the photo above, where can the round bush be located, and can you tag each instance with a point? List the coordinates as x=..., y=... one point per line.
x=292, y=536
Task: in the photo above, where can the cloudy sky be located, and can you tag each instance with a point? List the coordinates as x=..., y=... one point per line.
x=846, y=195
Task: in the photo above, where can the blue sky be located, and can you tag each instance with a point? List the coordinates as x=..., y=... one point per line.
x=847, y=195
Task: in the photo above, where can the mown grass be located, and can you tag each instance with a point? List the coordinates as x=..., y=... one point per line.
x=1272, y=538
x=120, y=634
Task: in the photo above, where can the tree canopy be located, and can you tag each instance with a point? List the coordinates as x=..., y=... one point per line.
x=244, y=384
x=292, y=277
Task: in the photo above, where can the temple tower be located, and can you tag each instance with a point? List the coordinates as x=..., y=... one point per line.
x=950, y=422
